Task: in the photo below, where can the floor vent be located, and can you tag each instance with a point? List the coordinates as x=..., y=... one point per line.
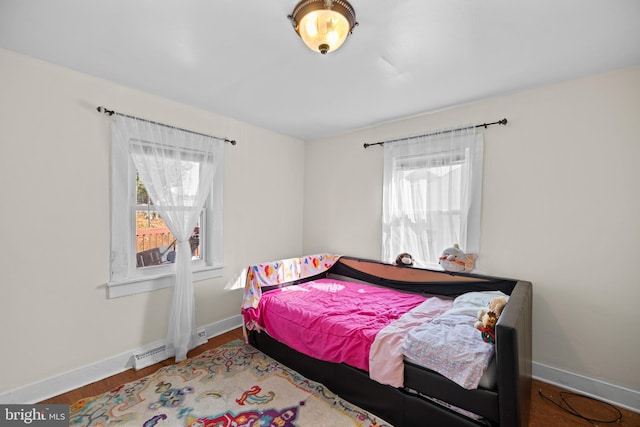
x=158, y=354
x=150, y=357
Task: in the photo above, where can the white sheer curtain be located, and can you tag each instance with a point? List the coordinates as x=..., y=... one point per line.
x=431, y=195
x=177, y=170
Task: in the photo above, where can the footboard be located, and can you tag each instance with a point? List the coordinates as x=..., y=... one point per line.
x=513, y=353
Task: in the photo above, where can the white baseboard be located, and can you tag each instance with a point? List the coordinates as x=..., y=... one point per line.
x=88, y=374
x=610, y=393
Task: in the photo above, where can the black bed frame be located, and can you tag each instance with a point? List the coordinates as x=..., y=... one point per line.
x=507, y=405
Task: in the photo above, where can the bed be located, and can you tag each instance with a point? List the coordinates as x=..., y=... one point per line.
x=368, y=338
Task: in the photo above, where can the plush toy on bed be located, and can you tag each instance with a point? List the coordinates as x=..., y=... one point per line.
x=487, y=320
x=404, y=260
x=454, y=259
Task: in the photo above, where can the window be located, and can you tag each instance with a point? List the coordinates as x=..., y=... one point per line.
x=432, y=193
x=155, y=244
x=142, y=248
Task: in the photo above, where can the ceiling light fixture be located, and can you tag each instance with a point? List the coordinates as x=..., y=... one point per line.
x=323, y=25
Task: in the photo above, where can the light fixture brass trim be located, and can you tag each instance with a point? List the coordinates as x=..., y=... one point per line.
x=331, y=32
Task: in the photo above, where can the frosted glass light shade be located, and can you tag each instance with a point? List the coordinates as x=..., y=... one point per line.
x=323, y=25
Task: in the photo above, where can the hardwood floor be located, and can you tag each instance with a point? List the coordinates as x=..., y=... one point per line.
x=543, y=412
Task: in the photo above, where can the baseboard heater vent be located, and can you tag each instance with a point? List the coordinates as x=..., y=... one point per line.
x=158, y=354
x=150, y=357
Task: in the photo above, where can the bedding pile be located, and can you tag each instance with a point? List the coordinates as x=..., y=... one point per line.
x=450, y=344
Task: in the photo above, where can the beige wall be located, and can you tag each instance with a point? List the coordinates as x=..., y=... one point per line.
x=561, y=208
x=54, y=251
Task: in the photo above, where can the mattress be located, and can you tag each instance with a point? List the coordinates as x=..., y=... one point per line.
x=341, y=321
x=329, y=319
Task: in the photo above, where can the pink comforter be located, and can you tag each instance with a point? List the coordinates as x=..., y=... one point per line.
x=329, y=319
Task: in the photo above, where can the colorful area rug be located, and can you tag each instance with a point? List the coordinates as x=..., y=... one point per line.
x=233, y=385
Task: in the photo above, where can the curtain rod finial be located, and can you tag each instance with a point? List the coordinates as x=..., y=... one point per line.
x=101, y=109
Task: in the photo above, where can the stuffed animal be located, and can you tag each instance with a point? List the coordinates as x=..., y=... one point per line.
x=487, y=327
x=497, y=305
x=404, y=260
x=454, y=259
x=487, y=319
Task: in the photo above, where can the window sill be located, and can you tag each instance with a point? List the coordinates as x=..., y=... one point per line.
x=152, y=283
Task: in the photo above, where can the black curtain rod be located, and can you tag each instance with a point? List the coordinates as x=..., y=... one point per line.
x=111, y=113
x=484, y=125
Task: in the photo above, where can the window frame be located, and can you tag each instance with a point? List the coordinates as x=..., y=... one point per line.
x=125, y=278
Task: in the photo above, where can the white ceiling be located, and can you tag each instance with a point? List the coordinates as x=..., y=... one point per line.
x=242, y=59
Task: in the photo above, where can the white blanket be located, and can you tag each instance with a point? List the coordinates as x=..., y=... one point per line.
x=451, y=346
